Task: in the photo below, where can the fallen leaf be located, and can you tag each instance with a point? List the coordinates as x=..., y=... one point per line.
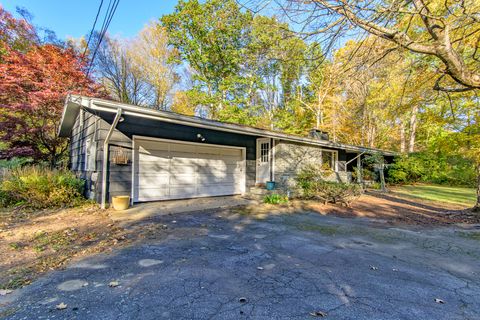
x=113, y=284
x=61, y=306
x=4, y=292
x=439, y=301
x=318, y=314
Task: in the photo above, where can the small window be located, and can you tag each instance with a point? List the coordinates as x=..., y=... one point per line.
x=328, y=160
x=89, y=155
x=264, y=152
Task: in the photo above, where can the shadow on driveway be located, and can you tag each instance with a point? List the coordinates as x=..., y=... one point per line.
x=216, y=264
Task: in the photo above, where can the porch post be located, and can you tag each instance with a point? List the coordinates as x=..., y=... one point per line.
x=359, y=169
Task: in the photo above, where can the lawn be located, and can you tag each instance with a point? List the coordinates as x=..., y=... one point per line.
x=454, y=195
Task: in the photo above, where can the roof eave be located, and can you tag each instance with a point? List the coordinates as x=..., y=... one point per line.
x=69, y=115
x=112, y=106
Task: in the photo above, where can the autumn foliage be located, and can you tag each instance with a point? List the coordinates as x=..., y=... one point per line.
x=34, y=81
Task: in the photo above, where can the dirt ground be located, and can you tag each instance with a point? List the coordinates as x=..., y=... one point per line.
x=390, y=207
x=34, y=243
x=399, y=210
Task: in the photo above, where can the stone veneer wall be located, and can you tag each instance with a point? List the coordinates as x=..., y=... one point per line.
x=291, y=157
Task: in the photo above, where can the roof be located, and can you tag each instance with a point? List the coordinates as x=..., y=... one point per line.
x=74, y=103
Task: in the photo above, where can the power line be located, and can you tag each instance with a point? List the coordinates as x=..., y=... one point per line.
x=106, y=22
x=93, y=28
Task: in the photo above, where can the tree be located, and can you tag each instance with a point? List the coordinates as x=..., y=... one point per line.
x=378, y=162
x=275, y=64
x=323, y=82
x=15, y=34
x=151, y=58
x=184, y=103
x=211, y=37
x=114, y=69
x=447, y=30
x=33, y=86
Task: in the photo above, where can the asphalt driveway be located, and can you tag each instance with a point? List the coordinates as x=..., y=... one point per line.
x=222, y=265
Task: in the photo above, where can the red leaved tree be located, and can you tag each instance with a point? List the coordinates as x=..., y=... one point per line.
x=33, y=86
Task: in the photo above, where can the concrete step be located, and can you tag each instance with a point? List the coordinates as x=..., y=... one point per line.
x=258, y=193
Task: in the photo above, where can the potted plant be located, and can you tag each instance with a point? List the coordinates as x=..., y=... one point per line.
x=270, y=185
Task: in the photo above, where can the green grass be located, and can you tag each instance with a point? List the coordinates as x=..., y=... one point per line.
x=454, y=195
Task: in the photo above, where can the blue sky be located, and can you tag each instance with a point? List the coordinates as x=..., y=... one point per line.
x=75, y=18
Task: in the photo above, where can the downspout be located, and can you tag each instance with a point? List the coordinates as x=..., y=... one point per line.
x=105, y=156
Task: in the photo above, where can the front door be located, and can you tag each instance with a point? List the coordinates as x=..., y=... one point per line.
x=263, y=160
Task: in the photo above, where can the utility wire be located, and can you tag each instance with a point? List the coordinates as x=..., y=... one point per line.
x=93, y=28
x=106, y=22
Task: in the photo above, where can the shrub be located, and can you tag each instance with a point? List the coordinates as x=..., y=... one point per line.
x=433, y=168
x=38, y=188
x=275, y=199
x=15, y=162
x=312, y=186
x=375, y=185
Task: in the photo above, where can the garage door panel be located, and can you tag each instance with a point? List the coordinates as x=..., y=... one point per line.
x=171, y=170
x=153, y=194
x=182, y=148
x=153, y=167
x=178, y=156
x=215, y=179
x=182, y=179
x=215, y=151
x=156, y=180
x=182, y=192
x=146, y=145
x=216, y=162
x=183, y=169
x=218, y=190
x=179, y=162
x=225, y=169
x=223, y=158
x=204, y=150
x=154, y=155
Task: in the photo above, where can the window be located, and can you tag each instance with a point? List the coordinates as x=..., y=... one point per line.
x=264, y=151
x=89, y=155
x=328, y=160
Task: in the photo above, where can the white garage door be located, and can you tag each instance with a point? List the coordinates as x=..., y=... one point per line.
x=166, y=170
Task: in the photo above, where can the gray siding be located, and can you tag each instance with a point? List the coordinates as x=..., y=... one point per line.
x=82, y=131
x=120, y=176
x=291, y=157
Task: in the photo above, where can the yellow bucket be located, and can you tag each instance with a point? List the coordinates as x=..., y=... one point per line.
x=121, y=202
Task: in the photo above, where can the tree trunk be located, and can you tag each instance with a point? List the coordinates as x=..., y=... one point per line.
x=318, y=116
x=371, y=136
x=381, y=172
x=402, y=137
x=476, y=208
x=413, y=129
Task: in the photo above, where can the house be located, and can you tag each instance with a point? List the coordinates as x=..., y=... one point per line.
x=157, y=155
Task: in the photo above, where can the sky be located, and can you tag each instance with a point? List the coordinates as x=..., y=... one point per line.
x=70, y=18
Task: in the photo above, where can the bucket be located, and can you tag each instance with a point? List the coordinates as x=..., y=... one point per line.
x=270, y=185
x=121, y=202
